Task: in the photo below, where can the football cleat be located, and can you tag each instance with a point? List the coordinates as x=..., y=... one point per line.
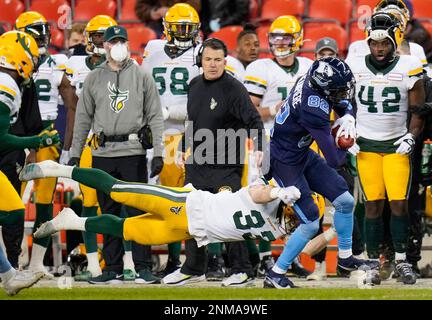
x=345, y=266
x=238, y=280
x=277, y=281
x=178, y=279
x=21, y=280
x=265, y=265
x=405, y=272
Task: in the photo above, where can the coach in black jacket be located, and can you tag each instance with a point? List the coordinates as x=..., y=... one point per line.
x=217, y=102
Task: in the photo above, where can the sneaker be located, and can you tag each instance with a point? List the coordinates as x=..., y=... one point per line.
x=21, y=280
x=278, y=281
x=107, y=277
x=298, y=269
x=171, y=266
x=416, y=270
x=43, y=271
x=60, y=222
x=320, y=272
x=265, y=265
x=345, y=266
x=145, y=276
x=405, y=272
x=128, y=275
x=387, y=268
x=178, y=279
x=215, y=271
x=238, y=280
x=83, y=276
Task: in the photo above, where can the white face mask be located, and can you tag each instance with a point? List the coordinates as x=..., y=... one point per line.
x=119, y=52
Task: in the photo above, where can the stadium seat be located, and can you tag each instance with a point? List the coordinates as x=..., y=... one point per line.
x=313, y=34
x=358, y=10
x=272, y=9
x=138, y=36
x=422, y=8
x=10, y=10
x=354, y=31
x=263, y=38
x=228, y=35
x=57, y=37
x=127, y=11
x=48, y=8
x=331, y=9
x=85, y=10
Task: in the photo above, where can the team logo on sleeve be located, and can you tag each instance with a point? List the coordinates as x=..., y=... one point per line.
x=118, y=97
x=176, y=210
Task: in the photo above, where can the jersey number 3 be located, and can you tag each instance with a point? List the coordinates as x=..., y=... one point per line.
x=237, y=217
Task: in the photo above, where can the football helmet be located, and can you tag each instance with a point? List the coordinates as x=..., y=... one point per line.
x=384, y=25
x=97, y=25
x=36, y=25
x=285, y=36
x=181, y=26
x=397, y=8
x=19, y=52
x=333, y=78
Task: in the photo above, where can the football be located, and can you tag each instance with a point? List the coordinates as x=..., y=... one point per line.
x=342, y=142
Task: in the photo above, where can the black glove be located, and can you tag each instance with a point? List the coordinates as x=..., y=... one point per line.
x=74, y=161
x=156, y=166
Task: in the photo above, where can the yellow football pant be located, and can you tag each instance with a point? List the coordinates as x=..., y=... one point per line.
x=9, y=198
x=167, y=221
x=89, y=194
x=45, y=187
x=381, y=172
x=171, y=175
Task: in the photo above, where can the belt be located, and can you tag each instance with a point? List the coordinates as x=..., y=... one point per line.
x=122, y=138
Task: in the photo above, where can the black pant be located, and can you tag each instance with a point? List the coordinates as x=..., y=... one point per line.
x=133, y=169
x=13, y=234
x=216, y=178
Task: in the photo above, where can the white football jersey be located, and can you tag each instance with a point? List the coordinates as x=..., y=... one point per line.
x=235, y=68
x=172, y=77
x=360, y=48
x=382, y=96
x=228, y=216
x=77, y=69
x=10, y=95
x=47, y=80
x=266, y=79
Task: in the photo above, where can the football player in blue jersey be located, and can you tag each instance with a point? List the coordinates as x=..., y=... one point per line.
x=304, y=117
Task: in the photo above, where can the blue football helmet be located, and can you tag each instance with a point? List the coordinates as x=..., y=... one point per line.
x=333, y=78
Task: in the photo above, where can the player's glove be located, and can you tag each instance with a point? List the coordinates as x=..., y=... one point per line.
x=354, y=150
x=156, y=166
x=347, y=126
x=406, y=144
x=74, y=161
x=288, y=195
x=48, y=137
x=64, y=157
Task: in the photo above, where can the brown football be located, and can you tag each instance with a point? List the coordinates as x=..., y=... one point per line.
x=342, y=142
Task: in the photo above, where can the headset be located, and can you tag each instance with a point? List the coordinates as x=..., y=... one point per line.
x=198, y=59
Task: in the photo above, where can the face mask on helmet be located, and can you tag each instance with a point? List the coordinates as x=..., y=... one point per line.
x=41, y=33
x=340, y=95
x=287, y=217
x=183, y=35
x=282, y=44
x=95, y=43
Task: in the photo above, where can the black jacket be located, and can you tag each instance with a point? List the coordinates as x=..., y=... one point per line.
x=221, y=104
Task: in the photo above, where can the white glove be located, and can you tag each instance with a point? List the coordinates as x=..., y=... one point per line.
x=64, y=157
x=406, y=144
x=347, y=126
x=354, y=150
x=288, y=195
x=258, y=155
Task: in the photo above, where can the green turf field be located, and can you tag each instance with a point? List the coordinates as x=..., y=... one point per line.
x=99, y=293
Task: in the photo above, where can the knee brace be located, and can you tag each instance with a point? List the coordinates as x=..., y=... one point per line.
x=309, y=230
x=344, y=203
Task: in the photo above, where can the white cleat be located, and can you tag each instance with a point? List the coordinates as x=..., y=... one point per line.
x=60, y=222
x=36, y=170
x=177, y=278
x=42, y=271
x=21, y=280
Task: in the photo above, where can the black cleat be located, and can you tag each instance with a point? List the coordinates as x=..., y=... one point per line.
x=405, y=272
x=171, y=266
x=215, y=271
x=278, y=281
x=298, y=269
x=265, y=265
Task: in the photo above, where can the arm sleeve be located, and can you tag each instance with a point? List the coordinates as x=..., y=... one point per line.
x=10, y=141
x=153, y=113
x=83, y=117
x=255, y=79
x=243, y=109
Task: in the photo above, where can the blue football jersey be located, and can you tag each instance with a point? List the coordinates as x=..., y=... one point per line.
x=303, y=118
